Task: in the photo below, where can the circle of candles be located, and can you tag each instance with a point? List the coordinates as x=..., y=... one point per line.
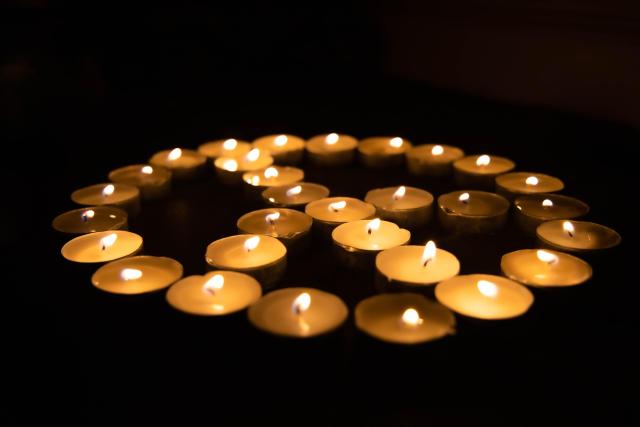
x=432, y=159
x=102, y=246
x=331, y=149
x=257, y=181
x=224, y=148
x=414, y=267
x=152, y=182
x=357, y=243
x=289, y=226
x=531, y=211
x=480, y=171
x=298, y=312
x=545, y=268
x=472, y=211
x=124, y=196
x=408, y=207
x=513, y=184
x=294, y=196
x=216, y=293
x=182, y=163
x=330, y=212
x=404, y=318
x=230, y=169
x=263, y=257
x=137, y=275
x=484, y=296
x=383, y=151
x=285, y=149
x=90, y=220
x=576, y=236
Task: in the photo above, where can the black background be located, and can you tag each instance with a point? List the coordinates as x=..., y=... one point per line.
x=87, y=94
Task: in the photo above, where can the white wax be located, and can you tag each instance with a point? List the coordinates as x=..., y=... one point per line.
x=150, y=184
x=88, y=248
x=479, y=204
x=289, y=223
x=230, y=252
x=497, y=165
x=587, y=235
x=354, y=209
x=354, y=234
x=414, y=198
x=263, y=161
x=422, y=160
x=516, y=183
x=318, y=144
x=90, y=220
x=292, y=149
x=155, y=273
x=215, y=149
x=562, y=207
x=286, y=175
x=122, y=195
x=525, y=267
x=382, y=146
x=185, y=165
x=284, y=196
x=404, y=264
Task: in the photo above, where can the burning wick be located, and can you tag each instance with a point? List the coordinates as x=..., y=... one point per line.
x=230, y=165
x=87, y=215
x=108, y=190
x=336, y=206
x=294, y=191
x=437, y=150
x=280, y=140
x=487, y=288
x=251, y=243
x=253, y=155
x=464, y=198
x=301, y=303
x=483, y=160
x=130, y=274
x=396, y=142
x=399, y=193
x=230, y=144
x=147, y=170
x=331, y=139
x=175, y=154
x=546, y=257
x=108, y=241
x=272, y=218
x=429, y=253
x=373, y=225
x=546, y=203
x=532, y=180
x=411, y=317
x=213, y=285
x=568, y=228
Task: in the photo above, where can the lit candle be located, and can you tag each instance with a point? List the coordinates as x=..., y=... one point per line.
x=484, y=296
x=137, y=275
x=576, y=236
x=231, y=169
x=216, y=293
x=472, y=211
x=379, y=152
x=404, y=318
x=330, y=212
x=285, y=149
x=123, y=196
x=531, y=211
x=513, y=184
x=102, y=246
x=263, y=257
x=545, y=268
x=90, y=220
x=182, y=163
x=432, y=159
x=273, y=176
x=289, y=226
x=298, y=312
x=152, y=182
x=408, y=207
x=480, y=171
x=224, y=148
x=414, y=267
x=332, y=149
x=294, y=196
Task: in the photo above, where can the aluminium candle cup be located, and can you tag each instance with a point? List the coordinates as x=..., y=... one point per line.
x=291, y=227
x=275, y=313
x=229, y=170
x=292, y=197
x=432, y=159
x=90, y=220
x=331, y=150
x=285, y=149
x=266, y=262
x=586, y=236
x=383, y=151
x=152, y=182
x=513, y=184
x=385, y=318
x=101, y=246
x=481, y=213
x=545, y=268
x=183, y=163
x=413, y=209
x=123, y=196
x=327, y=216
x=474, y=172
x=531, y=211
x=224, y=148
x=255, y=182
x=137, y=275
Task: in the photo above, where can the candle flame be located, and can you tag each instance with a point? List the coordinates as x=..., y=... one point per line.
x=437, y=150
x=108, y=241
x=254, y=180
x=147, y=170
x=400, y=192
x=214, y=284
x=336, y=206
x=429, y=253
x=130, y=274
x=546, y=257
x=230, y=144
x=108, y=190
x=568, y=227
x=253, y=155
x=230, y=165
x=411, y=317
x=280, y=140
x=331, y=139
x=532, y=180
x=487, y=288
x=301, y=303
x=547, y=203
x=175, y=154
x=87, y=215
x=271, y=172
x=272, y=217
x=373, y=225
x=251, y=243
x=464, y=198
x=396, y=142
x=483, y=160
x=293, y=191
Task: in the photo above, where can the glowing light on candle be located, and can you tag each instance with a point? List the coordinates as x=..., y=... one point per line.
x=396, y=142
x=547, y=203
x=546, y=257
x=175, y=154
x=130, y=274
x=400, y=192
x=280, y=140
x=301, y=303
x=147, y=170
x=254, y=180
x=337, y=206
x=464, y=198
x=230, y=165
x=230, y=144
x=108, y=241
x=253, y=155
x=568, y=228
x=215, y=284
x=331, y=139
x=437, y=150
x=483, y=160
x=373, y=225
x=108, y=190
x=487, y=288
x=272, y=218
x=251, y=243
x=87, y=215
x=112, y=216
x=532, y=180
x=294, y=191
x=411, y=317
x=429, y=253
x=271, y=172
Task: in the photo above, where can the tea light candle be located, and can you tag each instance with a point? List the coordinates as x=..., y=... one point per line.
x=137, y=275
x=404, y=318
x=257, y=181
x=123, y=196
x=216, y=293
x=182, y=163
x=484, y=296
x=531, y=211
x=294, y=196
x=576, y=236
x=287, y=225
x=408, y=207
x=152, y=182
x=90, y=220
x=513, y=184
x=285, y=149
x=263, y=257
x=432, y=159
x=472, y=211
x=480, y=171
x=379, y=152
x=230, y=169
x=298, y=312
x=545, y=268
x=102, y=246
x=330, y=212
x=414, y=267
x=224, y=148
x=331, y=149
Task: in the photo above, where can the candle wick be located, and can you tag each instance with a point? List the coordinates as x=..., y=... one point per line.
x=570, y=233
x=424, y=264
x=369, y=231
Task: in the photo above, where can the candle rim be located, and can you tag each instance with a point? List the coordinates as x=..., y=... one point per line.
x=177, y=270
x=504, y=180
x=71, y=243
x=374, y=192
x=268, y=192
x=120, y=214
x=284, y=212
x=242, y=238
x=461, y=165
x=614, y=238
x=504, y=208
x=538, y=198
x=562, y=256
x=419, y=249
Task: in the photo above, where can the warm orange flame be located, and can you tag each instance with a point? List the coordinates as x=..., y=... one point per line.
x=280, y=140
x=532, y=180
x=546, y=257
x=215, y=284
x=336, y=206
x=108, y=241
x=373, y=225
x=130, y=274
x=568, y=228
x=331, y=139
x=396, y=142
x=271, y=172
x=230, y=165
x=547, y=203
x=251, y=243
x=254, y=180
x=175, y=154
x=301, y=303
x=464, y=197
x=399, y=193
x=88, y=214
x=483, y=160
x=108, y=190
x=437, y=150
x=147, y=170
x=230, y=144
x=253, y=155
x=429, y=253
x=411, y=317
x=487, y=288
x=293, y=191
x=272, y=217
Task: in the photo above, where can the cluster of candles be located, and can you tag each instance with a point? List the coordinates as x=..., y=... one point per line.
x=370, y=235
